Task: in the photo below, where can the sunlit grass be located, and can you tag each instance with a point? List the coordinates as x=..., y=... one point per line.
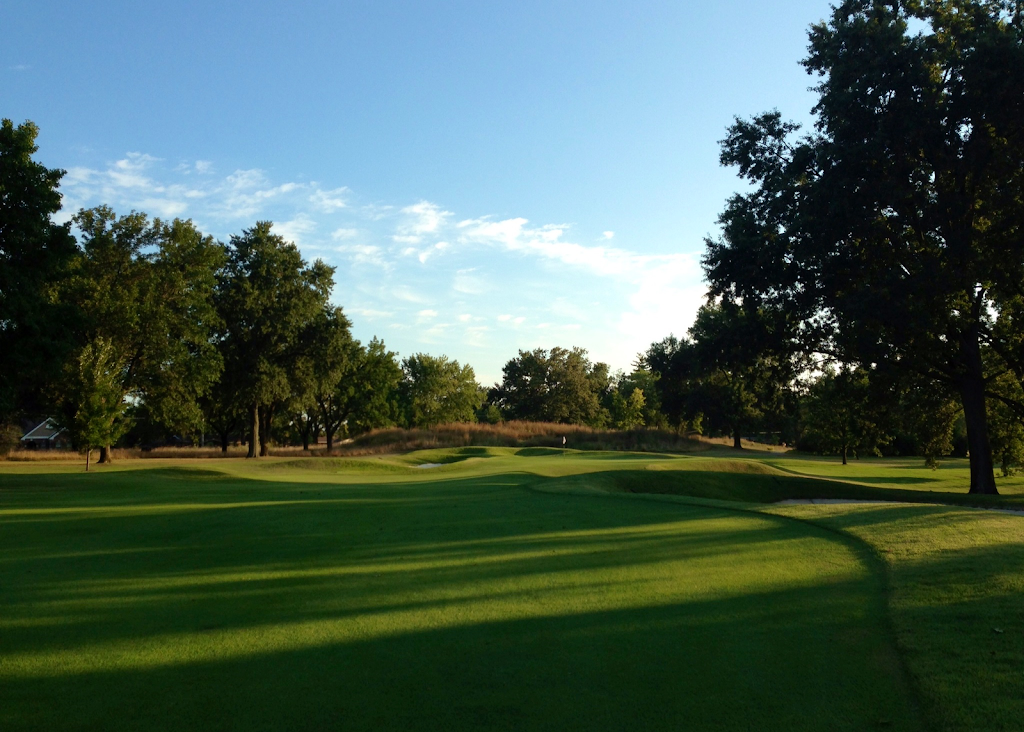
x=956, y=590
x=272, y=596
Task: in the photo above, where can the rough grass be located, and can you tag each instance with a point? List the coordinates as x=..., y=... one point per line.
x=519, y=434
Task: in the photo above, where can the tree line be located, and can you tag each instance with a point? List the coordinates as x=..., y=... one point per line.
x=865, y=293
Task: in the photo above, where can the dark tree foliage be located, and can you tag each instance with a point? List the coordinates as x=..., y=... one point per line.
x=894, y=230
x=34, y=253
x=559, y=385
x=371, y=390
x=670, y=367
x=146, y=289
x=331, y=356
x=732, y=370
x=268, y=297
x=841, y=415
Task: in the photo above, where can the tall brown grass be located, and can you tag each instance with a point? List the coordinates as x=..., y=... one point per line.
x=518, y=434
x=506, y=434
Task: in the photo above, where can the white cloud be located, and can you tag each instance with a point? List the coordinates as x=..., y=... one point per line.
x=341, y=234
x=608, y=234
x=127, y=172
x=370, y=313
x=242, y=179
x=427, y=253
x=329, y=201
x=163, y=207
x=364, y=254
x=418, y=221
x=427, y=314
x=296, y=229
x=204, y=167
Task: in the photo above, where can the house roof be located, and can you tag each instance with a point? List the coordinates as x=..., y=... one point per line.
x=45, y=430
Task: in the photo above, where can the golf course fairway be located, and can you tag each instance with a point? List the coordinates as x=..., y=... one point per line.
x=502, y=589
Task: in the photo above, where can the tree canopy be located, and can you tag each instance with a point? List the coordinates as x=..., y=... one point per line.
x=34, y=254
x=435, y=390
x=560, y=385
x=268, y=296
x=893, y=230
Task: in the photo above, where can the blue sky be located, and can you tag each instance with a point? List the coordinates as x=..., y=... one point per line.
x=486, y=177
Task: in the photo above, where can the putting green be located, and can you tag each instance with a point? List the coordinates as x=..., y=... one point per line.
x=384, y=596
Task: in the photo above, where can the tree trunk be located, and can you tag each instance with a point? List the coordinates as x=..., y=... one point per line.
x=254, y=435
x=983, y=478
x=972, y=394
x=105, y=455
x=267, y=417
x=844, y=454
x=224, y=441
x=330, y=438
x=88, y=454
x=737, y=441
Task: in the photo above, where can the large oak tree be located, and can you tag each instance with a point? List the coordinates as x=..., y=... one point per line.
x=895, y=229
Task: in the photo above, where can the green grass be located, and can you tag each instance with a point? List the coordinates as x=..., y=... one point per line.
x=505, y=589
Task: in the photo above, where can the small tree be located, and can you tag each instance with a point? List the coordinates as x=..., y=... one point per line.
x=628, y=411
x=91, y=398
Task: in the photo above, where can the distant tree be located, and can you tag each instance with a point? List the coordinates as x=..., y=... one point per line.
x=670, y=366
x=34, y=254
x=332, y=357
x=267, y=296
x=91, y=398
x=559, y=385
x=927, y=416
x=627, y=412
x=371, y=389
x=488, y=413
x=643, y=380
x=1007, y=427
x=840, y=414
x=435, y=390
x=146, y=289
x=739, y=367
x=893, y=231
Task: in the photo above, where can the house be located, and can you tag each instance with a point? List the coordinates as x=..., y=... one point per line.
x=46, y=436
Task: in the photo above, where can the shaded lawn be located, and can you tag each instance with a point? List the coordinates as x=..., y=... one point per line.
x=169, y=600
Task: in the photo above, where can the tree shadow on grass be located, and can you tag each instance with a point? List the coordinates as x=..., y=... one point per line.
x=460, y=604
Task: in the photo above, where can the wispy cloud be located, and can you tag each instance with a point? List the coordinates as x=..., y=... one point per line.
x=418, y=221
x=329, y=201
x=418, y=274
x=296, y=230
